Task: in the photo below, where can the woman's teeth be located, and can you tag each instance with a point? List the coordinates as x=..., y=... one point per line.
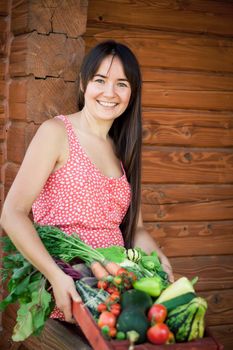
x=107, y=104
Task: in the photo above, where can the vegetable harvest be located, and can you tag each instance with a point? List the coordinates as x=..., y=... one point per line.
x=126, y=291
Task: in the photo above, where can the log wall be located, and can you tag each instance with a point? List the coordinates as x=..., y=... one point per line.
x=40, y=55
x=185, y=49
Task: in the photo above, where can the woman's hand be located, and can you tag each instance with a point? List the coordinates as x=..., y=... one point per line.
x=64, y=293
x=166, y=267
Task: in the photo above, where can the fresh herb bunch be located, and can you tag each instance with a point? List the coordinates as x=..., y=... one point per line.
x=28, y=287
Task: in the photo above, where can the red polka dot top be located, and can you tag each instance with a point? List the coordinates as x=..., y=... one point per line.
x=78, y=198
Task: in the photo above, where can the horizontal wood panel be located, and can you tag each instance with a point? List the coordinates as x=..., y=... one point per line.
x=220, y=306
x=193, y=238
x=207, y=100
x=216, y=210
x=173, y=50
x=161, y=165
x=187, y=128
x=186, y=80
x=176, y=194
x=167, y=15
x=223, y=334
x=214, y=272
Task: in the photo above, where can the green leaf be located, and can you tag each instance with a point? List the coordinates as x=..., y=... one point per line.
x=116, y=254
x=31, y=317
x=22, y=271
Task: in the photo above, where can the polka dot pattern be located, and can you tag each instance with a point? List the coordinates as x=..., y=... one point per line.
x=79, y=198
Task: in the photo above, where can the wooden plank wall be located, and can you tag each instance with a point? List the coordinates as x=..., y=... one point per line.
x=185, y=49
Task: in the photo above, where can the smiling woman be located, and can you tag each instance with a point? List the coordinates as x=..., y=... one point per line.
x=81, y=172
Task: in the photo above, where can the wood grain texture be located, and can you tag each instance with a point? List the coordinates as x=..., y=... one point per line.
x=4, y=8
x=203, y=100
x=172, y=50
x=50, y=16
x=192, y=238
x=214, y=272
x=58, y=97
x=167, y=15
x=187, y=80
x=224, y=334
x=185, y=165
x=220, y=307
x=52, y=55
x=170, y=127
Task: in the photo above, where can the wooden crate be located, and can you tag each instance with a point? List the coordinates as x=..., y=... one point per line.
x=97, y=341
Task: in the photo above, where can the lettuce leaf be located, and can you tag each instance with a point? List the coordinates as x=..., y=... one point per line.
x=114, y=253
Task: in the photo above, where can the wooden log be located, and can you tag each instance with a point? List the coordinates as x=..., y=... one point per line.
x=68, y=17
x=173, y=165
x=224, y=334
x=214, y=272
x=4, y=8
x=187, y=80
x=3, y=90
x=52, y=55
x=2, y=68
x=176, y=194
x=56, y=97
x=220, y=306
x=172, y=50
x=11, y=170
x=214, y=210
x=169, y=127
x=23, y=133
x=193, y=238
x=204, y=100
x=166, y=15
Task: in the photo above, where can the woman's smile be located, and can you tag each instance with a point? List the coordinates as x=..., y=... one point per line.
x=108, y=93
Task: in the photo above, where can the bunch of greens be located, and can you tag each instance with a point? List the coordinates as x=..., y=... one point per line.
x=27, y=286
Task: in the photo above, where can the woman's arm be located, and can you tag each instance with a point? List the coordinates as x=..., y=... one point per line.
x=41, y=157
x=144, y=241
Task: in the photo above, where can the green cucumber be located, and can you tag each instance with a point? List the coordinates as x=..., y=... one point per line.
x=179, y=300
x=91, y=297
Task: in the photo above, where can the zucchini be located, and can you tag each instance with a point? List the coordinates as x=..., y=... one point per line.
x=177, y=301
x=179, y=287
x=91, y=297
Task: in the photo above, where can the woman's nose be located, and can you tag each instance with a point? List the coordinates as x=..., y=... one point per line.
x=109, y=90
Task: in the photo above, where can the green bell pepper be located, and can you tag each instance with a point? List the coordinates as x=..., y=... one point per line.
x=150, y=285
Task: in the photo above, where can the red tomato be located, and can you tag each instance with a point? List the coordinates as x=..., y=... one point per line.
x=157, y=313
x=102, y=284
x=158, y=334
x=115, y=309
x=107, y=319
x=102, y=307
x=112, y=289
x=132, y=276
x=112, y=332
x=121, y=271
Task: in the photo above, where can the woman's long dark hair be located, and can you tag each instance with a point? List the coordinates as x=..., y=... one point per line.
x=126, y=130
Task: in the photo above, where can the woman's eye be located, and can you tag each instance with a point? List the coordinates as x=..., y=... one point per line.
x=122, y=85
x=101, y=81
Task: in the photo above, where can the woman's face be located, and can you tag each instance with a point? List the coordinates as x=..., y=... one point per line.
x=107, y=95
